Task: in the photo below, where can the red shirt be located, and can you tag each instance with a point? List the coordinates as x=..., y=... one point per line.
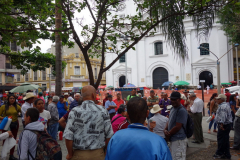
x=228, y=96
x=118, y=103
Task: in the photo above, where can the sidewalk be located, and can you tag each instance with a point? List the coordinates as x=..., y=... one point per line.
x=191, y=150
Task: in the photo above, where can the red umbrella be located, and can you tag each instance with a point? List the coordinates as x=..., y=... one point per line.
x=146, y=88
x=234, y=82
x=102, y=87
x=4, y=95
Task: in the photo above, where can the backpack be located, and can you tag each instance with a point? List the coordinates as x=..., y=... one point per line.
x=47, y=147
x=189, y=126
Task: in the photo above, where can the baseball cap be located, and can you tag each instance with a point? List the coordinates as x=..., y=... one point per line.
x=121, y=109
x=169, y=107
x=61, y=96
x=175, y=95
x=65, y=94
x=220, y=96
x=109, y=96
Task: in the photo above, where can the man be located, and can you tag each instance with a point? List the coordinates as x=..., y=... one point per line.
x=45, y=97
x=63, y=120
x=27, y=143
x=62, y=107
x=199, y=87
x=196, y=114
x=174, y=130
x=237, y=95
x=164, y=103
x=88, y=129
x=137, y=142
x=228, y=95
x=52, y=94
x=133, y=94
x=105, y=99
x=223, y=119
x=53, y=123
x=40, y=95
x=70, y=98
x=28, y=104
x=160, y=121
x=187, y=101
x=118, y=101
x=74, y=103
x=110, y=106
x=119, y=118
x=151, y=101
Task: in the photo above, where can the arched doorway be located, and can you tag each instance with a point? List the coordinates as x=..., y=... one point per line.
x=207, y=76
x=160, y=75
x=122, y=81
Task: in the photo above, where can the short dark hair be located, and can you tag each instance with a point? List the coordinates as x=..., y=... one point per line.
x=33, y=113
x=121, y=108
x=137, y=110
x=152, y=91
x=226, y=90
x=134, y=89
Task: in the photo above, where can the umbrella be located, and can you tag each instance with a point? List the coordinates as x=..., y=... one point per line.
x=102, y=87
x=129, y=85
x=110, y=87
x=233, y=82
x=146, y=88
x=181, y=83
x=226, y=83
x=166, y=84
x=24, y=87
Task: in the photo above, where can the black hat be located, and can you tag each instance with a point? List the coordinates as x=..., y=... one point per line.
x=61, y=96
x=185, y=91
x=175, y=95
x=109, y=96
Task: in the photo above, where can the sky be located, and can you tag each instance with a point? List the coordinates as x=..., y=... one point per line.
x=46, y=44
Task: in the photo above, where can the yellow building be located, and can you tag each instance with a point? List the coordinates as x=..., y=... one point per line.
x=75, y=73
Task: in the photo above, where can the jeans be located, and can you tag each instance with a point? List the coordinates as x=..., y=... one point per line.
x=223, y=141
x=233, y=117
x=53, y=130
x=150, y=115
x=211, y=122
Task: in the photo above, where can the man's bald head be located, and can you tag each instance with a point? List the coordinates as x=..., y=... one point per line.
x=89, y=93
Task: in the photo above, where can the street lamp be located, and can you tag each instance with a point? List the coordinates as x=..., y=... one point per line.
x=126, y=39
x=218, y=65
x=236, y=46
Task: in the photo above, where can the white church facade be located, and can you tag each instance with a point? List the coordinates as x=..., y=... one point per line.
x=155, y=62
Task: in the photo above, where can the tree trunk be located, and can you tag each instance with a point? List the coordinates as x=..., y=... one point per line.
x=58, y=51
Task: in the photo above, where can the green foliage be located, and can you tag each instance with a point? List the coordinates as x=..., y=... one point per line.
x=32, y=59
x=229, y=17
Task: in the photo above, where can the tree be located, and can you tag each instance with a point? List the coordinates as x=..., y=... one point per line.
x=102, y=35
x=229, y=17
x=107, y=28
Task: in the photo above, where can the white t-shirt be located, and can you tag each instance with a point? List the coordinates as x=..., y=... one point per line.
x=44, y=117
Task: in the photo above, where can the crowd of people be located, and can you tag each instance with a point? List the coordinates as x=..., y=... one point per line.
x=117, y=129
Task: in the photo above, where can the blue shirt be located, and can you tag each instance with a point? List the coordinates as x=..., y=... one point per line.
x=137, y=143
x=179, y=115
x=107, y=104
x=61, y=109
x=223, y=114
x=73, y=104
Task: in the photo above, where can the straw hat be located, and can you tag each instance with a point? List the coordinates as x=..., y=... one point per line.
x=156, y=108
x=183, y=97
x=29, y=95
x=169, y=107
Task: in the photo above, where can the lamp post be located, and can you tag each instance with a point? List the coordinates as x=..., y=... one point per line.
x=126, y=39
x=218, y=66
x=49, y=83
x=236, y=46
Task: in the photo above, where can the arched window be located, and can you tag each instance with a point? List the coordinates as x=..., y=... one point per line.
x=158, y=48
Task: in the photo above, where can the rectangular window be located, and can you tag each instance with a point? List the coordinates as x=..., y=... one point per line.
x=122, y=59
x=204, y=51
x=77, y=70
x=14, y=46
x=26, y=77
x=18, y=77
x=95, y=70
x=158, y=46
x=35, y=76
x=44, y=75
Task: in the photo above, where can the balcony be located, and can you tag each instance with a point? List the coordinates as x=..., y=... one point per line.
x=77, y=77
x=10, y=69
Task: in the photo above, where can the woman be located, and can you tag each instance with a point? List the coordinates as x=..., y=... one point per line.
x=233, y=105
x=48, y=102
x=44, y=116
x=11, y=109
x=212, y=106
